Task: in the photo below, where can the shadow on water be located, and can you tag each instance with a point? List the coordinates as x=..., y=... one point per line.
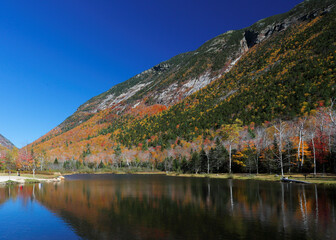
x=161, y=207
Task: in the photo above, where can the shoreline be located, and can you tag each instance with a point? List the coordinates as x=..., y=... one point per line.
x=116, y=173
x=10, y=180
x=328, y=179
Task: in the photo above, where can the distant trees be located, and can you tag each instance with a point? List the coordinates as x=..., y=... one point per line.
x=8, y=158
x=306, y=144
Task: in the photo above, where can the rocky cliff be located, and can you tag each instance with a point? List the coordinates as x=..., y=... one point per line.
x=282, y=59
x=171, y=81
x=5, y=142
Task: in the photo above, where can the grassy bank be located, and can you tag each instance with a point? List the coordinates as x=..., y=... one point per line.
x=57, y=173
x=327, y=179
x=30, y=175
x=114, y=171
x=319, y=179
x=28, y=178
x=120, y=172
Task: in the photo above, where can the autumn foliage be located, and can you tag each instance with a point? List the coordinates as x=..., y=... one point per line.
x=231, y=121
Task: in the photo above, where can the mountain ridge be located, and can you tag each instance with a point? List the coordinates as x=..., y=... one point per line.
x=115, y=115
x=234, y=42
x=4, y=142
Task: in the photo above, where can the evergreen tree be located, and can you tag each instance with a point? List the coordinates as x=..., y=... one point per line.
x=101, y=164
x=176, y=164
x=212, y=159
x=203, y=161
x=195, y=163
x=184, y=165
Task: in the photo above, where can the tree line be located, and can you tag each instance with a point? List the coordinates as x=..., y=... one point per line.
x=304, y=145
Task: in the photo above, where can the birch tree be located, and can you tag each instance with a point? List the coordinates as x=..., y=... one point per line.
x=230, y=136
x=279, y=134
x=301, y=134
x=332, y=112
x=311, y=133
x=259, y=144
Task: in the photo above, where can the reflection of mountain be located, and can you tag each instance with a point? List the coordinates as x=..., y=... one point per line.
x=159, y=207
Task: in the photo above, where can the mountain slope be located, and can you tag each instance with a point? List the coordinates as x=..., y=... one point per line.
x=180, y=76
x=284, y=77
x=282, y=58
x=4, y=142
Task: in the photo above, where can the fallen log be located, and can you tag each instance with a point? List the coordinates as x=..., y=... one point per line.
x=285, y=179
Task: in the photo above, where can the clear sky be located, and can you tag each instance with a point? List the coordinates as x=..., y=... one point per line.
x=57, y=54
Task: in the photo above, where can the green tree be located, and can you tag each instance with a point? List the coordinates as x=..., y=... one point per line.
x=195, y=162
x=101, y=164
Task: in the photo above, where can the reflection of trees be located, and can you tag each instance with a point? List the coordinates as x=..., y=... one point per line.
x=145, y=208
x=14, y=192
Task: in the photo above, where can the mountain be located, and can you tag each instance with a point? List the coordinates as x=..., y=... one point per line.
x=274, y=68
x=177, y=78
x=4, y=142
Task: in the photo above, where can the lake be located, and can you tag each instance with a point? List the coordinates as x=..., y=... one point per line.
x=164, y=207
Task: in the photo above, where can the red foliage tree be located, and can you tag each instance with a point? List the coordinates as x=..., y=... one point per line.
x=321, y=146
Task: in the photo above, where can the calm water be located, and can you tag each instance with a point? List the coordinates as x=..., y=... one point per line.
x=161, y=207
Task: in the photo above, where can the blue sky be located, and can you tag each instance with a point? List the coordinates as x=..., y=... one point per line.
x=57, y=54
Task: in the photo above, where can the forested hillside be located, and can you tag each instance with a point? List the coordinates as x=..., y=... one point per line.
x=171, y=81
x=256, y=99
x=285, y=77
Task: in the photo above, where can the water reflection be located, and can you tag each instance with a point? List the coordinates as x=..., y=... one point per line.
x=160, y=207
